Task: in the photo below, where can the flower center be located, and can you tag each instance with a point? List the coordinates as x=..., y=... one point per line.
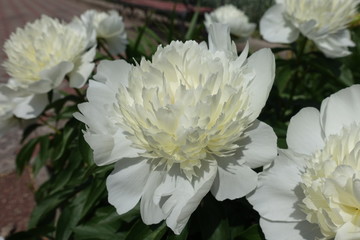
x=320, y=17
x=40, y=46
x=187, y=105
x=331, y=184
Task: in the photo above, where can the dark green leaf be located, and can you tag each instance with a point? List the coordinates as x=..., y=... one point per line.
x=141, y=231
x=252, y=233
x=25, y=154
x=31, y=234
x=46, y=208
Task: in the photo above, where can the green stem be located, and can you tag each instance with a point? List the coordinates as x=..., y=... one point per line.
x=49, y=125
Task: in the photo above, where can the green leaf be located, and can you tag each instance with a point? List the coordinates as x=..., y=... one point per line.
x=212, y=220
x=31, y=234
x=140, y=231
x=189, y=34
x=99, y=232
x=252, y=233
x=28, y=130
x=85, y=150
x=283, y=76
x=61, y=142
x=46, y=208
x=69, y=217
x=346, y=76
x=96, y=193
x=25, y=154
x=40, y=160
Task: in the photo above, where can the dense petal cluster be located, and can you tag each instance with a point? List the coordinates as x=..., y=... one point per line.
x=313, y=188
x=181, y=125
x=42, y=53
x=234, y=18
x=109, y=27
x=322, y=21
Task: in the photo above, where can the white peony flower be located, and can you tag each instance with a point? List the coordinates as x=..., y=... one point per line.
x=181, y=125
x=313, y=189
x=42, y=53
x=233, y=17
x=109, y=26
x=322, y=21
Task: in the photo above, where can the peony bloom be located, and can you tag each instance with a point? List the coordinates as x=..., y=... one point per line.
x=109, y=26
x=233, y=17
x=312, y=191
x=181, y=125
x=322, y=21
x=42, y=53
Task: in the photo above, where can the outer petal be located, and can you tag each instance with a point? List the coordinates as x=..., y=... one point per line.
x=335, y=45
x=81, y=73
x=263, y=64
x=275, y=28
x=178, y=197
x=289, y=230
x=304, y=134
x=259, y=145
x=109, y=149
x=219, y=40
x=233, y=181
x=279, y=185
x=31, y=106
x=151, y=212
x=126, y=183
x=340, y=109
x=113, y=73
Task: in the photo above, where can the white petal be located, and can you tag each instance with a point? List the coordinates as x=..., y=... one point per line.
x=263, y=64
x=51, y=78
x=219, y=39
x=113, y=73
x=126, y=183
x=110, y=148
x=289, y=230
x=31, y=106
x=151, y=212
x=335, y=45
x=186, y=195
x=101, y=94
x=244, y=54
x=111, y=26
x=280, y=186
x=81, y=73
x=259, y=145
x=94, y=116
x=275, y=28
x=348, y=231
x=233, y=181
x=304, y=134
x=340, y=109
x=117, y=44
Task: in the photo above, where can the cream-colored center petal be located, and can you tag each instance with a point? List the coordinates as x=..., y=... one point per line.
x=185, y=106
x=331, y=183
